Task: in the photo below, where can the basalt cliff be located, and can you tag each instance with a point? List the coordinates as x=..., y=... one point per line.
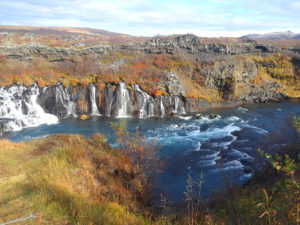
x=163, y=76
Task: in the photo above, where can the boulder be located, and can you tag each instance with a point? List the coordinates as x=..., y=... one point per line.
x=213, y=116
x=197, y=117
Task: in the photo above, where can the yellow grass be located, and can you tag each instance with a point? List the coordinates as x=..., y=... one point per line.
x=71, y=179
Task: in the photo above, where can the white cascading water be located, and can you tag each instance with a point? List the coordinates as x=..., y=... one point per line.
x=94, y=107
x=109, y=107
x=181, y=108
x=19, y=108
x=71, y=109
x=146, y=106
x=162, y=107
x=174, y=108
x=151, y=108
x=70, y=105
x=178, y=108
x=124, y=99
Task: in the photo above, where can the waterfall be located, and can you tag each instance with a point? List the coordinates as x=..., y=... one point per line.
x=145, y=102
x=179, y=107
x=67, y=95
x=173, y=103
x=22, y=106
x=151, y=108
x=19, y=108
x=93, y=104
x=162, y=107
x=123, y=99
x=176, y=105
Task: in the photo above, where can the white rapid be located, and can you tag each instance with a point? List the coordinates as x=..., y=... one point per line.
x=94, y=107
x=145, y=102
x=124, y=99
x=19, y=108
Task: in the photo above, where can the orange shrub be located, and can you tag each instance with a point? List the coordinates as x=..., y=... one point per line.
x=156, y=79
x=159, y=61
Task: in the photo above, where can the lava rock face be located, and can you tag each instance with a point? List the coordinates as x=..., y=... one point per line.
x=59, y=101
x=171, y=84
x=195, y=105
x=223, y=73
x=189, y=44
x=113, y=100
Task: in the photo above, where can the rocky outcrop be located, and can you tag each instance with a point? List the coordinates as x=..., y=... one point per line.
x=196, y=105
x=259, y=94
x=171, y=84
x=192, y=44
x=60, y=101
x=228, y=74
x=188, y=44
x=220, y=76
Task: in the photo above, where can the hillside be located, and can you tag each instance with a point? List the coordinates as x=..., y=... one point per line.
x=57, y=30
x=172, y=74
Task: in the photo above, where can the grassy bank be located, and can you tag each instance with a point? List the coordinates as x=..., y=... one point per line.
x=71, y=179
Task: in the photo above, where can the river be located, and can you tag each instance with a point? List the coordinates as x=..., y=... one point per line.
x=228, y=143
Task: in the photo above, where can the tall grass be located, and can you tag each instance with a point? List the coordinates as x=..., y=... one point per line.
x=74, y=180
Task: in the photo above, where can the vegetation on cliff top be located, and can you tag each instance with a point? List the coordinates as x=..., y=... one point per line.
x=149, y=70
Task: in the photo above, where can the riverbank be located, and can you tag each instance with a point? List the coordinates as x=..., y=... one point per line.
x=71, y=180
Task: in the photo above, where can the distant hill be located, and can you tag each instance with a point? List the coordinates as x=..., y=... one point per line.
x=58, y=30
x=296, y=37
x=274, y=36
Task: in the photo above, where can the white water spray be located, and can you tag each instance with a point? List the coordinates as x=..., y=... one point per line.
x=19, y=108
x=145, y=102
x=162, y=107
x=124, y=99
x=94, y=107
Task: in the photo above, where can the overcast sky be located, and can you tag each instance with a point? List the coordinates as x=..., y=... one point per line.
x=148, y=18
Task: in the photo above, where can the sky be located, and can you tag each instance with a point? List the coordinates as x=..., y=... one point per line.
x=205, y=18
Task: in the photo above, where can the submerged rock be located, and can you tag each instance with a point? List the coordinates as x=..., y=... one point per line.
x=197, y=117
x=174, y=115
x=84, y=117
x=213, y=116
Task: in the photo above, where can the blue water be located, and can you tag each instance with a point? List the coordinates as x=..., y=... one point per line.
x=228, y=143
